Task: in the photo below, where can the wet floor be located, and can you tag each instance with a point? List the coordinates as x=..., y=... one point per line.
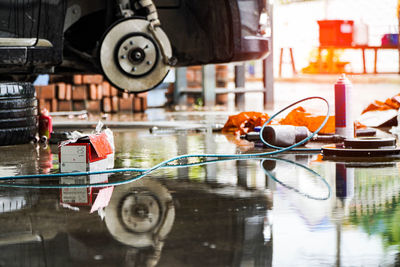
x=292, y=210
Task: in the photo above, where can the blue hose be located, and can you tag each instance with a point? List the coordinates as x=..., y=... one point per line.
x=270, y=175
x=144, y=172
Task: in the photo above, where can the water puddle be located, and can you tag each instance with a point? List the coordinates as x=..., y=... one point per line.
x=292, y=209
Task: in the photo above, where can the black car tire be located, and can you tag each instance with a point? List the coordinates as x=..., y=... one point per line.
x=6, y=104
x=16, y=90
x=14, y=136
x=18, y=122
x=18, y=113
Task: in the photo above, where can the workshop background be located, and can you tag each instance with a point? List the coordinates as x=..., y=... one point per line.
x=182, y=176
x=296, y=48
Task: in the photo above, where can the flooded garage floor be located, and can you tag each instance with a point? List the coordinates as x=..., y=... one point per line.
x=290, y=210
x=256, y=212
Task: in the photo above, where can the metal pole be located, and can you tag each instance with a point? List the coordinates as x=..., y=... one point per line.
x=240, y=80
x=268, y=70
x=326, y=9
x=210, y=147
x=268, y=80
x=398, y=43
x=180, y=85
x=241, y=170
x=182, y=145
x=208, y=77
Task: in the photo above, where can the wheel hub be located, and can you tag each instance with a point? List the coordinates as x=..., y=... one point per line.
x=140, y=213
x=137, y=55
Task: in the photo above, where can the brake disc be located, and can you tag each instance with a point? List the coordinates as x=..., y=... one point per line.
x=130, y=55
x=140, y=214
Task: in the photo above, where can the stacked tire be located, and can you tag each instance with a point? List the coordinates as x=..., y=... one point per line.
x=18, y=113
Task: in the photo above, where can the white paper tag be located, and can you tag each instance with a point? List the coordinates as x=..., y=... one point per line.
x=73, y=154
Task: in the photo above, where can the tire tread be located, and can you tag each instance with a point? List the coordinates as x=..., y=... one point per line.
x=20, y=135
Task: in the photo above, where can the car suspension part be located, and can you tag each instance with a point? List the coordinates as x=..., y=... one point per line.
x=135, y=54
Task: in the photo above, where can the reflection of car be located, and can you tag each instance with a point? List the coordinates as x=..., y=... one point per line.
x=123, y=38
x=137, y=221
x=140, y=227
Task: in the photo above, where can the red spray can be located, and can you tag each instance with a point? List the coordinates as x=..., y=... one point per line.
x=344, y=124
x=45, y=125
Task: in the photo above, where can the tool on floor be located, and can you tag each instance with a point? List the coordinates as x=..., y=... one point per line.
x=280, y=135
x=287, y=135
x=362, y=147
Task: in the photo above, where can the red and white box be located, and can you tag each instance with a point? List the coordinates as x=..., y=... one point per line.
x=92, y=152
x=81, y=196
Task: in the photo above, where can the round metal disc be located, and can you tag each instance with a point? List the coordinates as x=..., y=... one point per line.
x=341, y=151
x=370, y=142
x=134, y=35
x=140, y=213
x=137, y=55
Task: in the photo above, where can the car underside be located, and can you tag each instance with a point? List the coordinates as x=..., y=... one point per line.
x=133, y=43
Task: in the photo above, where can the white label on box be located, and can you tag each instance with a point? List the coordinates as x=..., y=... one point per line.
x=74, y=195
x=99, y=165
x=73, y=167
x=73, y=154
x=74, y=180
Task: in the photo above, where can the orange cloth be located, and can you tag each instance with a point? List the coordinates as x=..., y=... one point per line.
x=299, y=117
x=394, y=102
x=244, y=122
x=376, y=105
x=390, y=103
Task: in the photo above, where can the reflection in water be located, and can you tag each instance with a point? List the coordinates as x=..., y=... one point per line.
x=339, y=231
x=375, y=207
x=270, y=164
x=141, y=216
x=217, y=214
x=140, y=228
x=84, y=196
x=46, y=158
x=216, y=227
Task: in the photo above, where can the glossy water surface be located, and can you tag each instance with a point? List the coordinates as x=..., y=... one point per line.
x=255, y=212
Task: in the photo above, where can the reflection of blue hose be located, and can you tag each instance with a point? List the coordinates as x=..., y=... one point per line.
x=144, y=172
x=270, y=175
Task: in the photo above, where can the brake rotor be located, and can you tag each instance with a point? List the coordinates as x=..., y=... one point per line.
x=130, y=56
x=363, y=147
x=140, y=212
